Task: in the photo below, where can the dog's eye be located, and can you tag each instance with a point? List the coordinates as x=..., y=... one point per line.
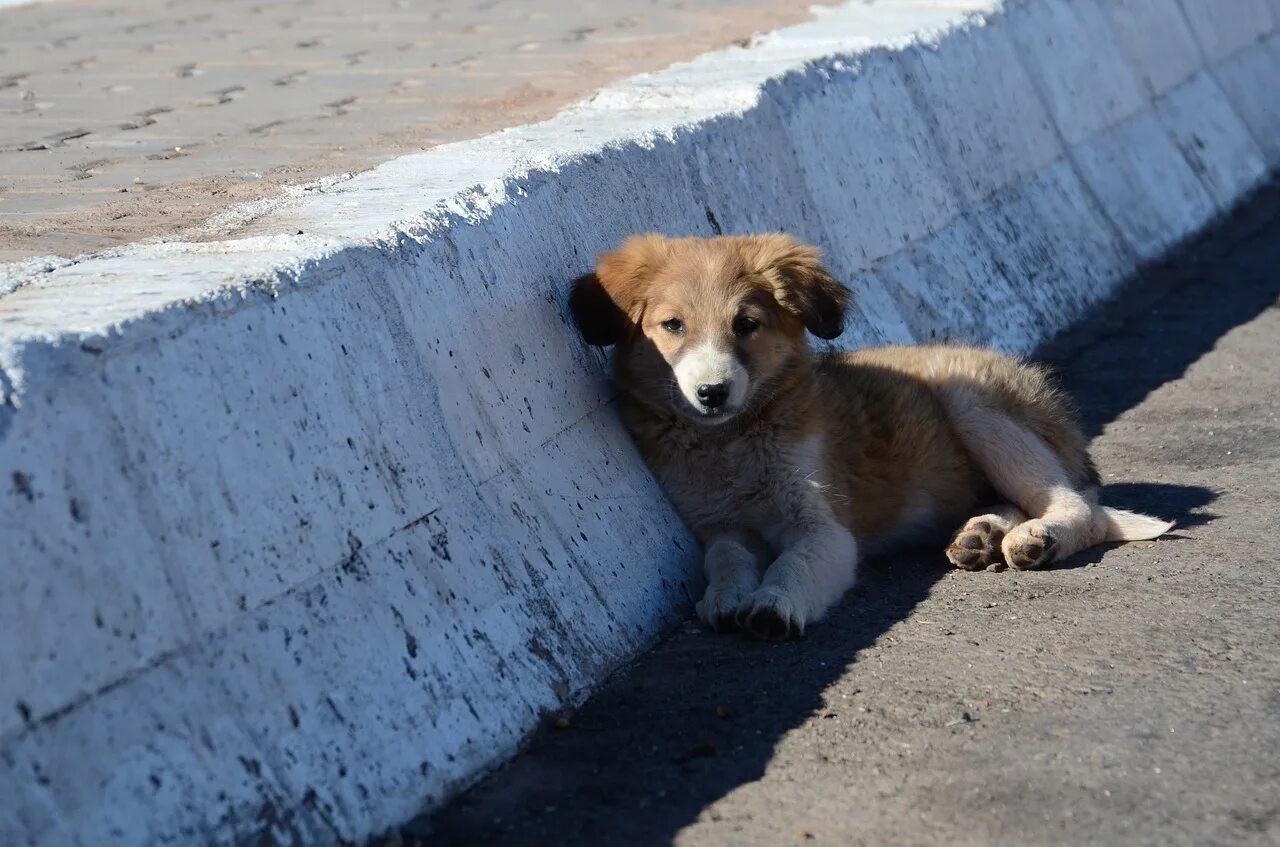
x=744, y=326
x=675, y=326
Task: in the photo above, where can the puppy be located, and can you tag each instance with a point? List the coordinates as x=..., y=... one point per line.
x=789, y=466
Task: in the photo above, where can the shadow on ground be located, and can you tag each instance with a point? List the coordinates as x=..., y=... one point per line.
x=674, y=733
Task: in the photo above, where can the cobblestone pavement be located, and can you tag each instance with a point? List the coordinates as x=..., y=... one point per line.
x=122, y=120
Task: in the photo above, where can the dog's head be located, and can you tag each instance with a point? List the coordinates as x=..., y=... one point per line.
x=704, y=325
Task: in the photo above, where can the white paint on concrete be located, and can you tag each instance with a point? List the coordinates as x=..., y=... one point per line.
x=303, y=531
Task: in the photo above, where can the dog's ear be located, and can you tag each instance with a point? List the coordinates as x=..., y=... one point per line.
x=599, y=319
x=801, y=284
x=607, y=301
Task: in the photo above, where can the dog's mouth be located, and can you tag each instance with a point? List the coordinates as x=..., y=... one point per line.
x=711, y=417
x=703, y=414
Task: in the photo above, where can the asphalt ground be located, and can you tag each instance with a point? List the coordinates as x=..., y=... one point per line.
x=1129, y=695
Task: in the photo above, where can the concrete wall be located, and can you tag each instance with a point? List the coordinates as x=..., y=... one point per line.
x=304, y=529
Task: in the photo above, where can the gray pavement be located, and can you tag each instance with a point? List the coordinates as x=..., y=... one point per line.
x=1128, y=696
x=129, y=119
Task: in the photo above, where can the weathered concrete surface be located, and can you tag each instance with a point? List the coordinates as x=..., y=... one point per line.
x=1128, y=696
x=127, y=119
x=305, y=530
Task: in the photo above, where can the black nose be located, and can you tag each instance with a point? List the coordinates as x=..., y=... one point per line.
x=713, y=396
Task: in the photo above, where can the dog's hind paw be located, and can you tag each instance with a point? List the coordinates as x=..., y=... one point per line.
x=1029, y=545
x=771, y=615
x=977, y=546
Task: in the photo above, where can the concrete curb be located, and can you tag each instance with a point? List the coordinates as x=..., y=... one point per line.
x=303, y=532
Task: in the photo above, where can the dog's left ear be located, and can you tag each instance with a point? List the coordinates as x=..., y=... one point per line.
x=802, y=285
x=599, y=319
x=606, y=302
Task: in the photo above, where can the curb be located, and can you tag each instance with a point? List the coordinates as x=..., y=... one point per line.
x=305, y=532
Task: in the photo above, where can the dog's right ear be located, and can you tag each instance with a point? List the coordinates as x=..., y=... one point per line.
x=599, y=319
x=608, y=301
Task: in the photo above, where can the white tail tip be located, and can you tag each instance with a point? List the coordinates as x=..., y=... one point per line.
x=1131, y=526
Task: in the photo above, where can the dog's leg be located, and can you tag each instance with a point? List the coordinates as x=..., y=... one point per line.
x=977, y=544
x=732, y=565
x=817, y=566
x=1022, y=467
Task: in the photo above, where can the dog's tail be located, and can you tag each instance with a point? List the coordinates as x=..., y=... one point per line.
x=1131, y=526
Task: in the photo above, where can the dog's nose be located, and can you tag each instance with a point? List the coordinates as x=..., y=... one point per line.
x=713, y=396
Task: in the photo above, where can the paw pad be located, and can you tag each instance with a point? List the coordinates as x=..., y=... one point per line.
x=1032, y=551
x=977, y=547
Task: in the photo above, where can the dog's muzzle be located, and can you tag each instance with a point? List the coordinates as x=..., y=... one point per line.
x=712, y=381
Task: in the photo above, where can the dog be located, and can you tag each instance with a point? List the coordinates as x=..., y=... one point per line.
x=790, y=466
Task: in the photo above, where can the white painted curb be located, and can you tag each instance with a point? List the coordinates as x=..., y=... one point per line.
x=302, y=532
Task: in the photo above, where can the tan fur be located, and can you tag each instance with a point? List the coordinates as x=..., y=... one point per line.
x=809, y=461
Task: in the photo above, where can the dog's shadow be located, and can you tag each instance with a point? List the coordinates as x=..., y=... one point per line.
x=678, y=730
x=702, y=715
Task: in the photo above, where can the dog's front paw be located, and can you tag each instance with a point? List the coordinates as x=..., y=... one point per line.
x=769, y=613
x=719, y=606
